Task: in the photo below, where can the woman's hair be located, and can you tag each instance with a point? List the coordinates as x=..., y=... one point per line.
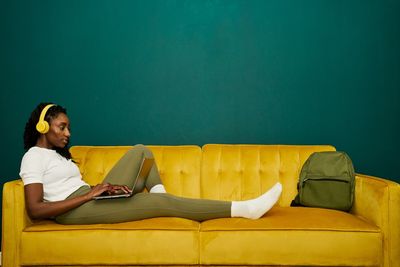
x=31, y=135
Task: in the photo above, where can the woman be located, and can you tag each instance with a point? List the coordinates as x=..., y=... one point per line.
x=54, y=188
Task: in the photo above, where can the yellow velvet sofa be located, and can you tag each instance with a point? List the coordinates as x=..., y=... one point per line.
x=286, y=236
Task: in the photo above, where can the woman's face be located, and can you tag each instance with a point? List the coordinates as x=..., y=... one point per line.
x=59, y=132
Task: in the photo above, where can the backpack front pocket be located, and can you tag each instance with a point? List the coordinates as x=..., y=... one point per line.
x=326, y=192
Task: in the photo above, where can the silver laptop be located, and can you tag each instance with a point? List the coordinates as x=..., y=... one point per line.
x=138, y=185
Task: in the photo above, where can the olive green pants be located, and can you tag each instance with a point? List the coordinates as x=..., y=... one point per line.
x=142, y=205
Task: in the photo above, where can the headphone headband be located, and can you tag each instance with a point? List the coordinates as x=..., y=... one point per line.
x=43, y=126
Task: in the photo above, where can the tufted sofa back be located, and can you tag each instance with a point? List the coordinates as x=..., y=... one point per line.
x=224, y=172
x=239, y=172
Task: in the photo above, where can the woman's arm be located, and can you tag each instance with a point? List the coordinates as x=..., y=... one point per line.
x=39, y=209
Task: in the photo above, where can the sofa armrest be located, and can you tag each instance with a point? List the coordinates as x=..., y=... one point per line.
x=378, y=201
x=14, y=220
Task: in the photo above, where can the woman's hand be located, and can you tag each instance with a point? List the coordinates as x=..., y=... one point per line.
x=109, y=188
x=119, y=188
x=97, y=190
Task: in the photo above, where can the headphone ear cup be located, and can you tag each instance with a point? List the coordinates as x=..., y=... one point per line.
x=42, y=127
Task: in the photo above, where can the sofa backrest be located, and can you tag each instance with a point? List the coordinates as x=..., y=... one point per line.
x=239, y=172
x=223, y=172
x=179, y=166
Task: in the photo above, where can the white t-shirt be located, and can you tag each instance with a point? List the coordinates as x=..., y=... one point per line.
x=60, y=177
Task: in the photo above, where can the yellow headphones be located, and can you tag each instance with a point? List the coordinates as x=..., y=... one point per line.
x=43, y=126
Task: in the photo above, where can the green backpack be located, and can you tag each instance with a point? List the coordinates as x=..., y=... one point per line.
x=326, y=180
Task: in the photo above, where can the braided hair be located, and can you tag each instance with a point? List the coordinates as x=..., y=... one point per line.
x=31, y=135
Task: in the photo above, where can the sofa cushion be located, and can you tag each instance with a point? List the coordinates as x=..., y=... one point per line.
x=292, y=236
x=154, y=241
x=238, y=172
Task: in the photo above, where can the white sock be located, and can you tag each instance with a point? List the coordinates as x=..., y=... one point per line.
x=257, y=207
x=158, y=188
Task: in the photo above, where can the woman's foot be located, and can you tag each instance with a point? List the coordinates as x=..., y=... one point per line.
x=257, y=207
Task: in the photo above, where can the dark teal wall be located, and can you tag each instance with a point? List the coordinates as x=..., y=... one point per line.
x=196, y=72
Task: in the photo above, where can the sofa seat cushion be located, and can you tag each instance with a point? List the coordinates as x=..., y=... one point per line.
x=153, y=241
x=292, y=236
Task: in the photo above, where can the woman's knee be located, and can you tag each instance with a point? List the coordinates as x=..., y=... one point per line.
x=139, y=148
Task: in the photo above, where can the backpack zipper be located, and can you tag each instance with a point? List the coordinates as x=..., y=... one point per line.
x=324, y=179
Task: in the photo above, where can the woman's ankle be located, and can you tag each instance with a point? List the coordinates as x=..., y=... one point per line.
x=158, y=188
